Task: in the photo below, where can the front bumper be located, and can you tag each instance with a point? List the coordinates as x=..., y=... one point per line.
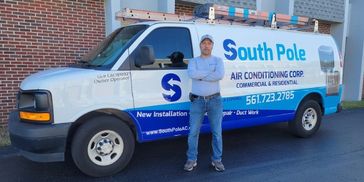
x=38, y=142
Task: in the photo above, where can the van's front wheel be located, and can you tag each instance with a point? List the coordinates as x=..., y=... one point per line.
x=307, y=120
x=102, y=146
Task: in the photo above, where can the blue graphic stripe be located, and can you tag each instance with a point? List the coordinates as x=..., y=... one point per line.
x=164, y=121
x=155, y=126
x=239, y=102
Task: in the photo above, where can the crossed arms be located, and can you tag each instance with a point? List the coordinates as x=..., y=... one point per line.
x=210, y=76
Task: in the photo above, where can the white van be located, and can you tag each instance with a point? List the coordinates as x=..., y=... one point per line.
x=129, y=90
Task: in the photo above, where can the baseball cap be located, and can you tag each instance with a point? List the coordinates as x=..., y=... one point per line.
x=207, y=36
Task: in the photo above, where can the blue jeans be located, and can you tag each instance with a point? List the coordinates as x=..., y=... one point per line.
x=214, y=109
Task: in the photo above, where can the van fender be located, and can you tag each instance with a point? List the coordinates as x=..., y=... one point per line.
x=123, y=116
x=316, y=96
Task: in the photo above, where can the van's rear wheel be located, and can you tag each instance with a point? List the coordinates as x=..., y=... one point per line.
x=102, y=146
x=307, y=120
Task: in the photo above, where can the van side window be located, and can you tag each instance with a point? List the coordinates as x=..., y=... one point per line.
x=171, y=47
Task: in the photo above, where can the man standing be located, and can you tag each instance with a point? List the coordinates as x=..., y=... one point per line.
x=205, y=71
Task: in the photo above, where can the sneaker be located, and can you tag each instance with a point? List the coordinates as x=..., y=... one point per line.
x=190, y=164
x=218, y=166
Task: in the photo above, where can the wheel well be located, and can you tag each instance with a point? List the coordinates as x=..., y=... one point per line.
x=316, y=97
x=124, y=117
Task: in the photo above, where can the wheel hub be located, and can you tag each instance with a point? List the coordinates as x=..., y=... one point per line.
x=309, y=119
x=104, y=147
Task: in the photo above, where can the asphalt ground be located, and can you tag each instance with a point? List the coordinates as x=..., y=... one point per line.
x=265, y=153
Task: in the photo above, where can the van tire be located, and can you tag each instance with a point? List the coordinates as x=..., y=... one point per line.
x=307, y=120
x=102, y=146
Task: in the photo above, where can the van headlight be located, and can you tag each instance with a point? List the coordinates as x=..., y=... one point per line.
x=35, y=106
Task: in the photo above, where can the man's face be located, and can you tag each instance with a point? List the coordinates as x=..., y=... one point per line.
x=206, y=47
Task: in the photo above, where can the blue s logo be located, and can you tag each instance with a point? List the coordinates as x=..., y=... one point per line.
x=171, y=84
x=229, y=47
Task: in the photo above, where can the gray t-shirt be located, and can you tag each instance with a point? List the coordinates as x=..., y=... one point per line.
x=206, y=74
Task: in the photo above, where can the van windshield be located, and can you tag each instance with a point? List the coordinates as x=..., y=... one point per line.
x=111, y=48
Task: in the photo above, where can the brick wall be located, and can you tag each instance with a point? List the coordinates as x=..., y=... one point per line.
x=323, y=28
x=184, y=8
x=36, y=35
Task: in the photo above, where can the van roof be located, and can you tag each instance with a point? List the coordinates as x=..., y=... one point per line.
x=150, y=23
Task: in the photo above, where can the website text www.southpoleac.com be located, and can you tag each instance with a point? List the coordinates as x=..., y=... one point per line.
x=167, y=130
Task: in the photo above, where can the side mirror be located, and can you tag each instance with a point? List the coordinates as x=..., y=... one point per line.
x=145, y=56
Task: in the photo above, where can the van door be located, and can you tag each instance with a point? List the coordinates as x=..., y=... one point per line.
x=160, y=82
